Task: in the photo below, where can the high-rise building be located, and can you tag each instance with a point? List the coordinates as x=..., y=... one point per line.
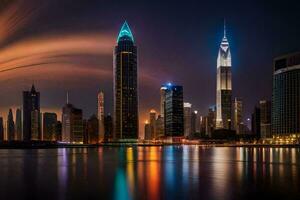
x=92, y=130
x=163, y=90
x=195, y=122
x=101, y=127
x=147, y=131
x=1, y=130
x=152, y=119
x=255, y=122
x=160, y=130
x=49, y=126
x=125, y=86
x=224, y=87
x=72, y=124
x=18, y=124
x=174, y=116
x=265, y=118
x=31, y=113
x=10, y=126
x=187, y=108
x=210, y=123
x=286, y=95
x=237, y=115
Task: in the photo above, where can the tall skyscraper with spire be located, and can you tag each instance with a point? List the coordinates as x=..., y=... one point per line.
x=224, y=87
x=125, y=86
x=31, y=115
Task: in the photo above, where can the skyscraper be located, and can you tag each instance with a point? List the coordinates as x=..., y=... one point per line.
x=265, y=118
x=92, y=130
x=101, y=128
x=187, y=119
x=49, y=126
x=161, y=126
x=174, y=116
x=211, y=120
x=18, y=124
x=163, y=90
x=160, y=130
x=152, y=119
x=1, y=130
x=195, y=122
x=31, y=113
x=125, y=86
x=10, y=126
x=72, y=124
x=147, y=131
x=237, y=115
x=286, y=95
x=224, y=87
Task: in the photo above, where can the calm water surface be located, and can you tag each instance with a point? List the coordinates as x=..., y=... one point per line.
x=172, y=172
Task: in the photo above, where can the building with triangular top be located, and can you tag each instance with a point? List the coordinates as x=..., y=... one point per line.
x=224, y=85
x=125, y=86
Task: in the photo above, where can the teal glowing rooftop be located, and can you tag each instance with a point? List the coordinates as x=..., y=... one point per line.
x=125, y=32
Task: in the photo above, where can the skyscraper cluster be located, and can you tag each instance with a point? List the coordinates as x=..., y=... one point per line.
x=32, y=125
x=175, y=119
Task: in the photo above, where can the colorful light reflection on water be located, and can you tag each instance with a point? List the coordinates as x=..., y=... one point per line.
x=171, y=172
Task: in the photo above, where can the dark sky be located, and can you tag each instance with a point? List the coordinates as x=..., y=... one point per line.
x=67, y=45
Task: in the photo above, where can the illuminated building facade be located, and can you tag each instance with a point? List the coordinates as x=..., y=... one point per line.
x=174, y=115
x=160, y=130
x=187, y=108
x=31, y=113
x=195, y=122
x=125, y=86
x=237, y=115
x=152, y=118
x=72, y=124
x=147, y=131
x=163, y=90
x=265, y=118
x=224, y=87
x=286, y=95
x=101, y=128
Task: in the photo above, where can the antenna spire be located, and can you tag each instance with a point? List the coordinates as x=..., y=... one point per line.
x=67, y=97
x=224, y=28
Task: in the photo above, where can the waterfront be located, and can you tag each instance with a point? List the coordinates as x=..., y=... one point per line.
x=167, y=172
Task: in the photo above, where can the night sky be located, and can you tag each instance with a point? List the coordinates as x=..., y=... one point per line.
x=67, y=45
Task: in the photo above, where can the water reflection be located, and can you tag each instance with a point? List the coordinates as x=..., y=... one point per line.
x=171, y=172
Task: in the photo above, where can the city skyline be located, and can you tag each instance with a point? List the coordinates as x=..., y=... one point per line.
x=154, y=69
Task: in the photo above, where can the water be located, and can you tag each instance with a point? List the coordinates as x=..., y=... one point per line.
x=172, y=172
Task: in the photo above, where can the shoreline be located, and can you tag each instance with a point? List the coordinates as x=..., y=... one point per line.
x=117, y=145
